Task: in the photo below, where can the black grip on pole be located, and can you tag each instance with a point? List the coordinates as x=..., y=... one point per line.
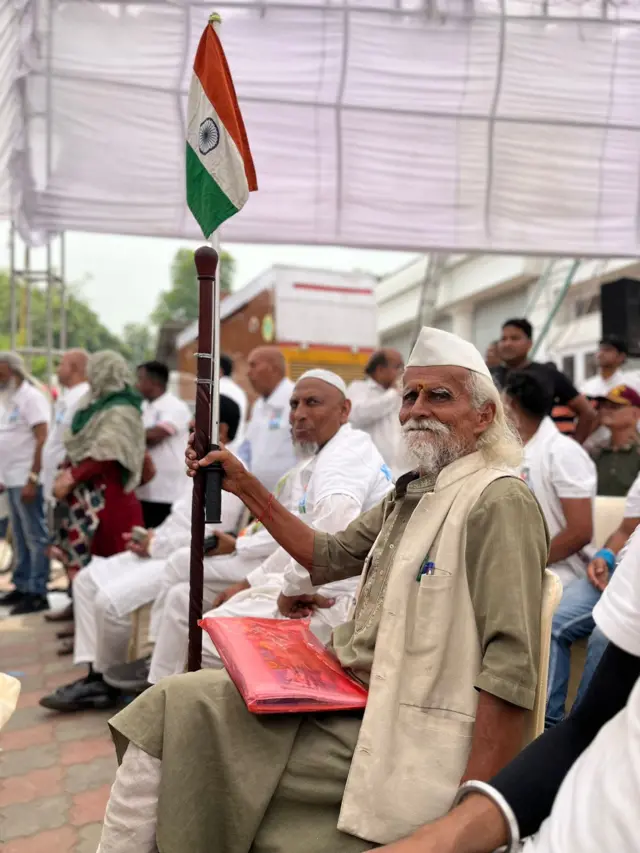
x=213, y=492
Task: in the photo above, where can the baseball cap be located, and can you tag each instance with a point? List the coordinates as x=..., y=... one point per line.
x=622, y=395
x=616, y=342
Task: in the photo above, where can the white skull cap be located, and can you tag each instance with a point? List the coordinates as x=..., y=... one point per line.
x=437, y=348
x=325, y=376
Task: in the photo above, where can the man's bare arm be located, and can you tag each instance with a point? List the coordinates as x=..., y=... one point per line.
x=587, y=417
x=577, y=532
x=156, y=435
x=292, y=534
x=40, y=434
x=475, y=826
x=619, y=537
x=498, y=734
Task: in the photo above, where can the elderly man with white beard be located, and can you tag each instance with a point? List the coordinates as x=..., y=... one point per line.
x=445, y=633
x=340, y=475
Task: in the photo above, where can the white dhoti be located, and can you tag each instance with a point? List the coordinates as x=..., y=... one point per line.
x=170, y=651
x=219, y=573
x=108, y=591
x=105, y=593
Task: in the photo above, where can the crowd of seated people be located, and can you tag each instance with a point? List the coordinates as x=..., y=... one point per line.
x=436, y=464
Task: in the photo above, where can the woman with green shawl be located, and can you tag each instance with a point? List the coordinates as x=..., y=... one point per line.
x=105, y=454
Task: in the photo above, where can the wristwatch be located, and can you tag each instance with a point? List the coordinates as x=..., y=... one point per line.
x=34, y=478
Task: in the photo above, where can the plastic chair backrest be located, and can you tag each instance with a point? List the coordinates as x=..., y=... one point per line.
x=551, y=595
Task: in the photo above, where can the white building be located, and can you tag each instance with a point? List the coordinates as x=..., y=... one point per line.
x=473, y=295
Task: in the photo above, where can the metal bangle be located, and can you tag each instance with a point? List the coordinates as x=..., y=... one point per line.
x=497, y=799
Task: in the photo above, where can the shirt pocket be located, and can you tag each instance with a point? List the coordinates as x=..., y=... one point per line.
x=429, y=612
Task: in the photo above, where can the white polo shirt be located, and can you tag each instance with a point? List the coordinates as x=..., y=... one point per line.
x=173, y=414
x=267, y=449
x=54, y=451
x=27, y=408
x=632, y=503
x=554, y=467
x=596, y=809
x=597, y=386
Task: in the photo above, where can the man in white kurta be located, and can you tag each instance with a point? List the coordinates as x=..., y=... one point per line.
x=375, y=406
x=72, y=372
x=345, y=478
x=267, y=450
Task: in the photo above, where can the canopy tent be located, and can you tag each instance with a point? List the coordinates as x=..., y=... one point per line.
x=492, y=126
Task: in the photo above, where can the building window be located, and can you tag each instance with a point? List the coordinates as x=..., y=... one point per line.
x=590, y=365
x=569, y=366
x=590, y=305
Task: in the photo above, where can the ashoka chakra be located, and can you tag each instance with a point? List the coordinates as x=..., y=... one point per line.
x=209, y=136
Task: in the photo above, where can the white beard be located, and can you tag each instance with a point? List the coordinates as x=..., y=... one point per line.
x=305, y=449
x=431, y=444
x=6, y=393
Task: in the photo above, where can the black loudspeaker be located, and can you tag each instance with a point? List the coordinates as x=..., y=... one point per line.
x=620, y=307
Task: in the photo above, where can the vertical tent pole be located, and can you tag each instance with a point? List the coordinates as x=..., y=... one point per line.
x=13, y=309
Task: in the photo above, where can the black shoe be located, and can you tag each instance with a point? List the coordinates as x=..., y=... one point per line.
x=130, y=677
x=64, y=615
x=11, y=598
x=30, y=604
x=85, y=694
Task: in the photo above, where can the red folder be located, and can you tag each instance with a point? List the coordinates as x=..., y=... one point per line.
x=280, y=667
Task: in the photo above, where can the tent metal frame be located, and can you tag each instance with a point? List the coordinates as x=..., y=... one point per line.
x=606, y=11
x=26, y=276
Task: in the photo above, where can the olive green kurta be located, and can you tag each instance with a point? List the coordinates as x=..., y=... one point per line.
x=233, y=782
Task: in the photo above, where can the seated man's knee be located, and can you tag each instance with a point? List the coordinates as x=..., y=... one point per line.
x=102, y=605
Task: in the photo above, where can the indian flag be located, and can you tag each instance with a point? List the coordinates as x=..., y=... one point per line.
x=220, y=171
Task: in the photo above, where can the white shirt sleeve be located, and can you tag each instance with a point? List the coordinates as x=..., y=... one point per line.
x=174, y=415
x=632, y=504
x=35, y=409
x=573, y=472
x=256, y=546
x=275, y=564
x=131, y=818
x=369, y=406
x=331, y=515
x=617, y=614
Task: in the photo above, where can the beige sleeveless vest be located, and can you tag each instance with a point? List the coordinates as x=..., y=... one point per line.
x=415, y=738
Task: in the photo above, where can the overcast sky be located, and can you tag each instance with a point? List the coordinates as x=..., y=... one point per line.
x=125, y=274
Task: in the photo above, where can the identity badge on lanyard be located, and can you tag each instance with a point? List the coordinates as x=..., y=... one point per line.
x=276, y=419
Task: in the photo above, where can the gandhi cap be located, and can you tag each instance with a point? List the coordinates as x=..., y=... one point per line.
x=437, y=348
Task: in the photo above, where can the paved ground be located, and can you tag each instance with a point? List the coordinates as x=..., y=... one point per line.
x=55, y=769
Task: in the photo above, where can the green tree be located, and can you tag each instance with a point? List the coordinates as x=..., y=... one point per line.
x=180, y=302
x=84, y=329
x=138, y=341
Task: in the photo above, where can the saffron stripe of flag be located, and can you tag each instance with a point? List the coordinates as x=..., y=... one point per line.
x=220, y=170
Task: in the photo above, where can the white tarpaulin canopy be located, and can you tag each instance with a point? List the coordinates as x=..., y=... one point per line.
x=484, y=126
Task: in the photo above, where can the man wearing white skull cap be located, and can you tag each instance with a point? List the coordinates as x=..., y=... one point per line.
x=445, y=632
x=335, y=480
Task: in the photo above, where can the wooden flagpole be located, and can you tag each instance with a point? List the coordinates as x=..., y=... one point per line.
x=207, y=482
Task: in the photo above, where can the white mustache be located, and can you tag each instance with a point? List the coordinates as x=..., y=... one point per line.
x=425, y=425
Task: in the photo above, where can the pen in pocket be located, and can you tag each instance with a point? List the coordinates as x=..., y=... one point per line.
x=427, y=568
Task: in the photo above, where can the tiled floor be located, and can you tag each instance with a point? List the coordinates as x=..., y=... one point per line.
x=55, y=769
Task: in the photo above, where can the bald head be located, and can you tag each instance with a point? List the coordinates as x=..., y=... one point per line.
x=385, y=367
x=72, y=369
x=266, y=370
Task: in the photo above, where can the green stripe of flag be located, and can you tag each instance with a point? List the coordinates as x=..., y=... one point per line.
x=209, y=205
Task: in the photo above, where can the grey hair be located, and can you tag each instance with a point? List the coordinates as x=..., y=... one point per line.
x=499, y=443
